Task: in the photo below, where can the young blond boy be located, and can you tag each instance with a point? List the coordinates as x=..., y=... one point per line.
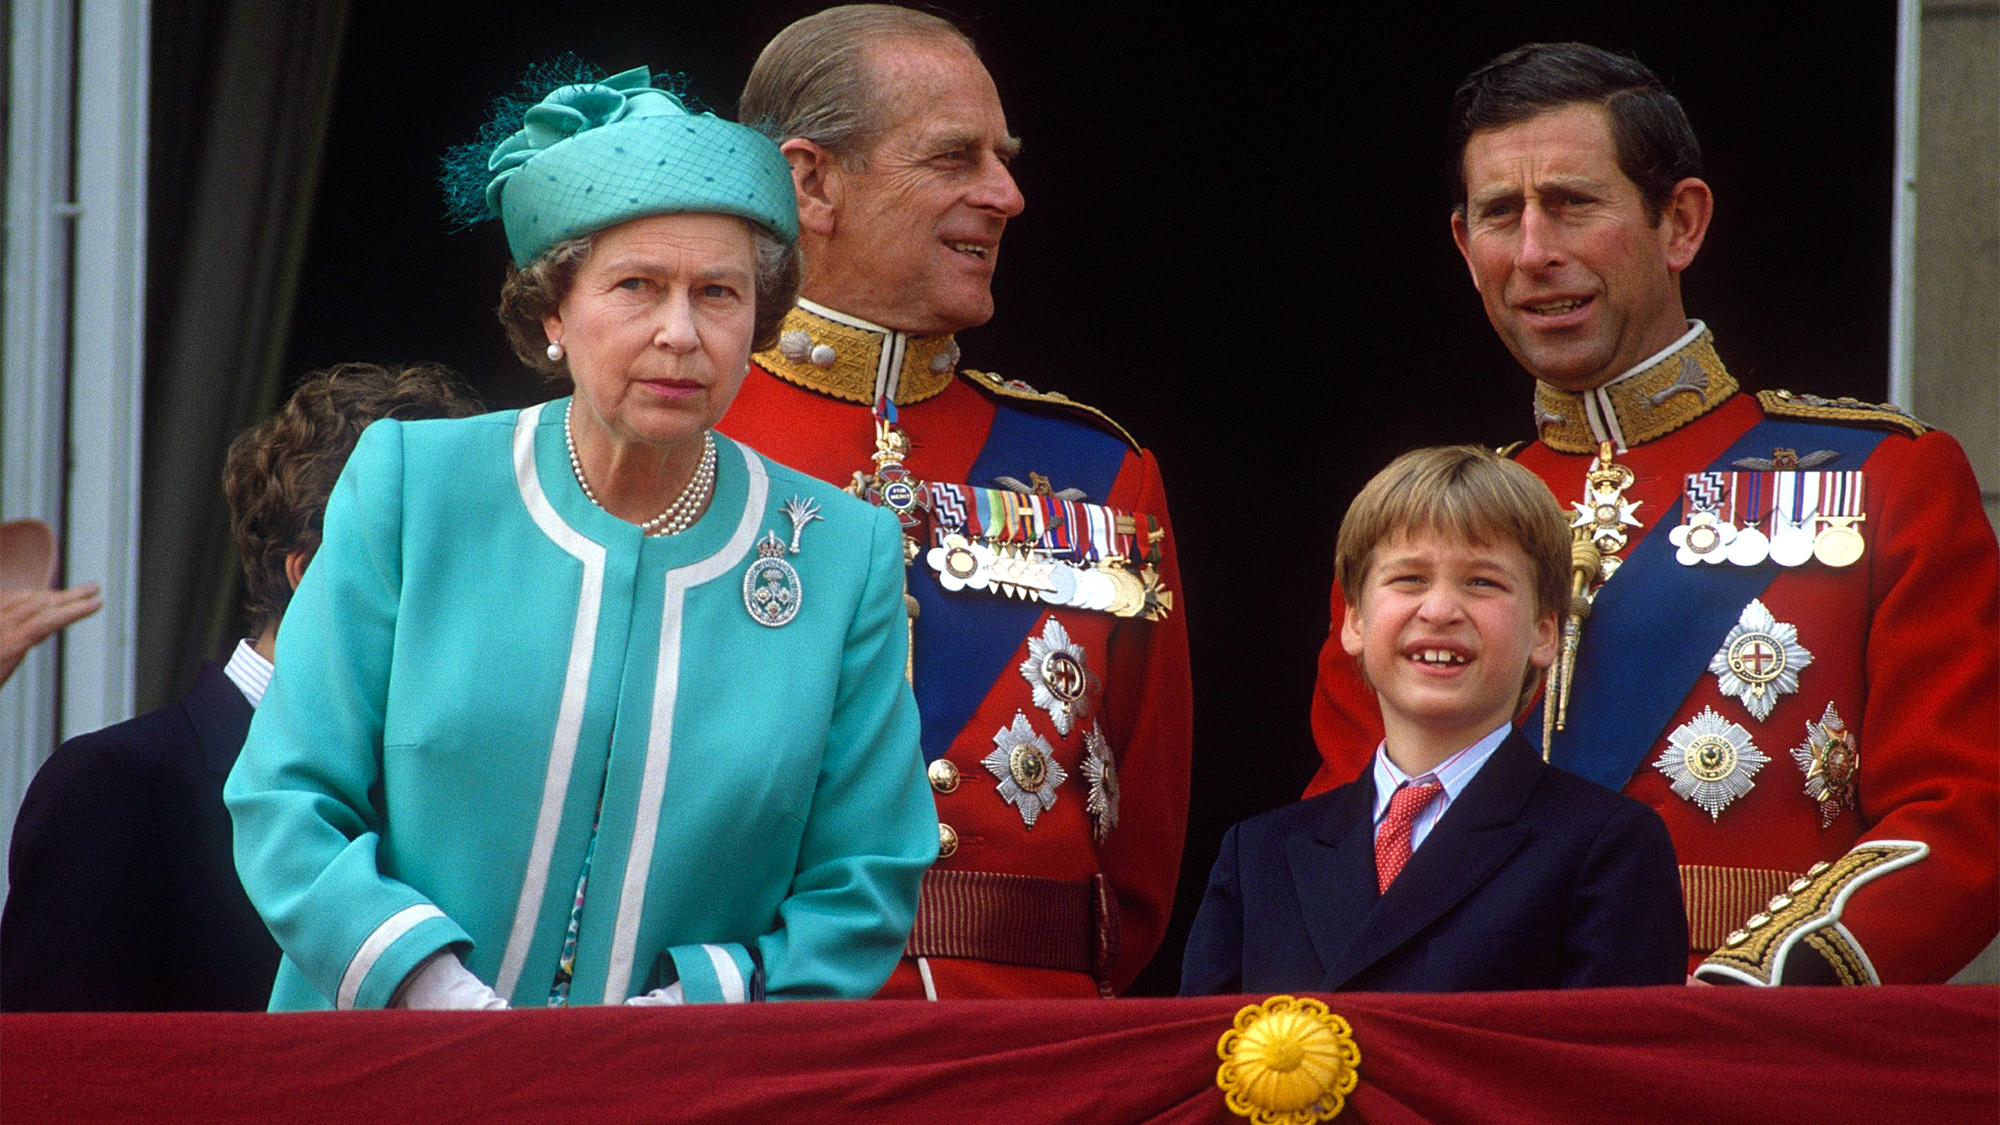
x=1458, y=860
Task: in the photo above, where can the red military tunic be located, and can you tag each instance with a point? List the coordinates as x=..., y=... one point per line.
x=1904, y=645
x=1049, y=909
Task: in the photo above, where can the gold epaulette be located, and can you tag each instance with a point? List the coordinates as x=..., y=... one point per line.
x=1510, y=449
x=1021, y=392
x=1786, y=404
x=1808, y=912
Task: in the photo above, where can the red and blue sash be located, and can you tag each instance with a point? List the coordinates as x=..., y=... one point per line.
x=965, y=643
x=1636, y=671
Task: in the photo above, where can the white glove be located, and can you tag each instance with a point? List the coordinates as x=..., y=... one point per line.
x=443, y=982
x=659, y=997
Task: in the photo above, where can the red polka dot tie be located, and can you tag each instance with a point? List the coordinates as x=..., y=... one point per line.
x=1392, y=840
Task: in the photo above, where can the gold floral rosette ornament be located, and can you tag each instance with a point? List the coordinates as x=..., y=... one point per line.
x=1287, y=1062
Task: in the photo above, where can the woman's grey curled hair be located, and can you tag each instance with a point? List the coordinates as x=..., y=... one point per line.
x=535, y=291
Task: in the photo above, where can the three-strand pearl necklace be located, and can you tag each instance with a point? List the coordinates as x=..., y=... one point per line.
x=680, y=515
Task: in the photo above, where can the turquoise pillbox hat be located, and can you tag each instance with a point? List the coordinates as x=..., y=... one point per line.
x=595, y=154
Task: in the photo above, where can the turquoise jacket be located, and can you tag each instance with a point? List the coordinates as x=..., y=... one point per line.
x=477, y=652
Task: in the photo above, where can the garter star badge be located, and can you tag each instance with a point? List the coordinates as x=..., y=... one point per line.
x=1759, y=660
x=1061, y=680
x=1830, y=760
x=1102, y=770
x=1710, y=761
x=1026, y=766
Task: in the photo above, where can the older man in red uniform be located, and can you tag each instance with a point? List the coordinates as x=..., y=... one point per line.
x=1048, y=657
x=1787, y=637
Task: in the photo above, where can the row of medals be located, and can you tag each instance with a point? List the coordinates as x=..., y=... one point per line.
x=1105, y=586
x=1706, y=537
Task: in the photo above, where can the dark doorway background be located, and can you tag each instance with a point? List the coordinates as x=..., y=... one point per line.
x=1235, y=243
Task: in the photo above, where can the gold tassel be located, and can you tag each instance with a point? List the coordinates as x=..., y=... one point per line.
x=1584, y=559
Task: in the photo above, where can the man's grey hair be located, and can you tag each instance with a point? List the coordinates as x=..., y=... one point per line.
x=811, y=81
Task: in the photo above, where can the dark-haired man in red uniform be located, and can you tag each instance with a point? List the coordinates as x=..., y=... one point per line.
x=1792, y=650
x=1048, y=658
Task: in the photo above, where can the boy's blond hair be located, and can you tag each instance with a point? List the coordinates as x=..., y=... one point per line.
x=1464, y=492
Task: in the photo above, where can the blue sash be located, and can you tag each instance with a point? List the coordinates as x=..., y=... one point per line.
x=1656, y=624
x=965, y=642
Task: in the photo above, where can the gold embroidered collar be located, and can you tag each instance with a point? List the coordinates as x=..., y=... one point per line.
x=849, y=358
x=1660, y=397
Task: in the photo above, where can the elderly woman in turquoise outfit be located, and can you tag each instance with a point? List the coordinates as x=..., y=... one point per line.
x=585, y=703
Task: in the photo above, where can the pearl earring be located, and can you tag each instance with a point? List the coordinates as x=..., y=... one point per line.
x=556, y=352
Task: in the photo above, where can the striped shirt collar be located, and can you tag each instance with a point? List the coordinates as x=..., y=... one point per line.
x=1454, y=773
x=249, y=671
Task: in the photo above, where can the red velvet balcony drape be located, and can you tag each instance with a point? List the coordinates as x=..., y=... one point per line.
x=1676, y=1056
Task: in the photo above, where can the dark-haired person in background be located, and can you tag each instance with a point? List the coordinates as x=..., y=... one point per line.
x=125, y=896
x=1794, y=652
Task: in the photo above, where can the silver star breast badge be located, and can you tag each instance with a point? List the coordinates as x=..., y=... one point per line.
x=1759, y=660
x=1026, y=766
x=1710, y=761
x=1061, y=679
x=1102, y=770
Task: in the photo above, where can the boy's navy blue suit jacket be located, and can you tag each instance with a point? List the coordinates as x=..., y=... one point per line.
x=125, y=896
x=1533, y=878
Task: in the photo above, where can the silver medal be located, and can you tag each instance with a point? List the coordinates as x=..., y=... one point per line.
x=1704, y=536
x=1095, y=590
x=1062, y=584
x=1027, y=577
x=1750, y=547
x=1797, y=500
x=1703, y=539
x=961, y=564
x=1791, y=545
